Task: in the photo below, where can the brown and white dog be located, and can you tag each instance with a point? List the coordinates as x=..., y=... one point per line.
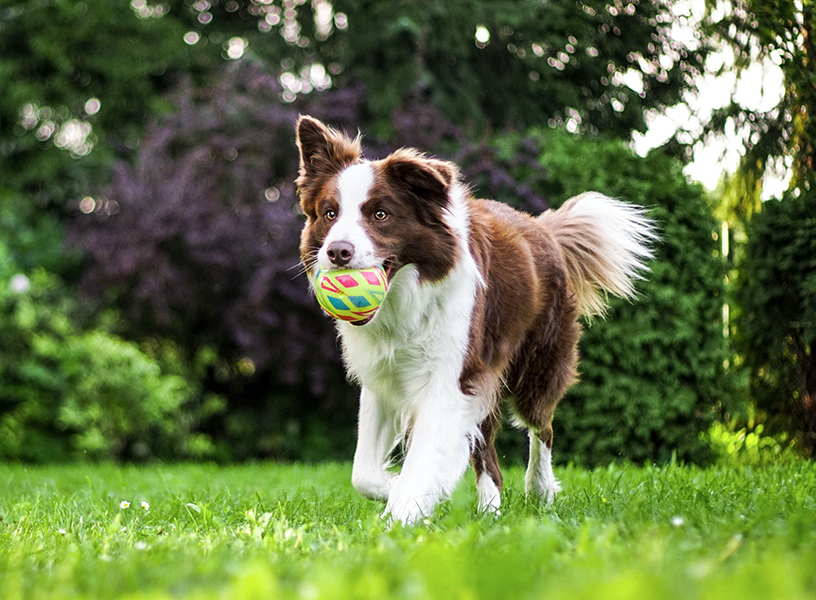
x=483, y=305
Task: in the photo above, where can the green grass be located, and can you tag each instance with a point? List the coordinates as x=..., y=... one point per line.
x=265, y=531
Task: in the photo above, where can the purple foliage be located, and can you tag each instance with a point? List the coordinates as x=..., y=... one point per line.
x=420, y=124
x=198, y=238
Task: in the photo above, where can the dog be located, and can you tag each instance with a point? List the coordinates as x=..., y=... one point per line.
x=482, y=309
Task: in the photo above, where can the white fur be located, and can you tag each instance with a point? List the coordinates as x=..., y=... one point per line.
x=377, y=436
x=627, y=234
x=489, y=494
x=606, y=243
x=408, y=360
x=540, y=479
x=353, y=186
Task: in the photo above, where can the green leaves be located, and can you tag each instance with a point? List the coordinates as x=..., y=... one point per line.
x=554, y=62
x=65, y=393
x=776, y=330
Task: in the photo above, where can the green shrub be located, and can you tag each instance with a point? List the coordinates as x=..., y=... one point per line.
x=749, y=445
x=652, y=371
x=776, y=325
x=67, y=393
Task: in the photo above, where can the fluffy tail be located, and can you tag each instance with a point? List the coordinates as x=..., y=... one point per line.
x=605, y=243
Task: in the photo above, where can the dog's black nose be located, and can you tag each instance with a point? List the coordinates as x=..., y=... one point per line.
x=340, y=253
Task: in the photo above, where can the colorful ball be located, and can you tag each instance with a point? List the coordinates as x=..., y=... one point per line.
x=351, y=295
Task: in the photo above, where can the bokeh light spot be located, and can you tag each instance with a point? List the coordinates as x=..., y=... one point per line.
x=92, y=106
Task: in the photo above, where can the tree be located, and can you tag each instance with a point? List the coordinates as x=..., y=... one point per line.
x=773, y=256
x=594, y=65
x=776, y=330
x=780, y=32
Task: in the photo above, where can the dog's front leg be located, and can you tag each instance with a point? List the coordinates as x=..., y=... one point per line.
x=376, y=437
x=437, y=456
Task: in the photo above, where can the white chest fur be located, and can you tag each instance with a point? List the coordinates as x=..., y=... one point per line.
x=409, y=359
x=415, y=347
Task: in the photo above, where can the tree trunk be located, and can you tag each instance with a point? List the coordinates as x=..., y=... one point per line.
x=808, y=395
x=806, y=361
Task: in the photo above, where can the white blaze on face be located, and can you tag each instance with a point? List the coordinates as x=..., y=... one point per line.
x=353, y=186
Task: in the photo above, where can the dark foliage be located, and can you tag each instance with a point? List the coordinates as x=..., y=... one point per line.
x=552, y=62
x=776, y=330
x=536, y=62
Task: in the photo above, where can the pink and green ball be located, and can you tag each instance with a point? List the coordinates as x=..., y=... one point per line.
x=350, y=294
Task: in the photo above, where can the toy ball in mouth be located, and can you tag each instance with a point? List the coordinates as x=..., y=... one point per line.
x=351, y=295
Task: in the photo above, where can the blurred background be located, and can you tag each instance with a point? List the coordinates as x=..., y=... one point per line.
x=151, y=302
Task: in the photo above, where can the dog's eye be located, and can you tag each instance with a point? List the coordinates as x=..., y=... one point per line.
x=380, y=215
x=330, y=215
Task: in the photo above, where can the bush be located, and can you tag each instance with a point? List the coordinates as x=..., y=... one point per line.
x=776, y=326
x=652, y=372
x=65, y=393
x=749, y=445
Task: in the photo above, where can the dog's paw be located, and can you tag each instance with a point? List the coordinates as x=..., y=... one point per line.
x=407, y=510
x=544, y=487
x=550, y=491
x=489, y=496
x=373, y=486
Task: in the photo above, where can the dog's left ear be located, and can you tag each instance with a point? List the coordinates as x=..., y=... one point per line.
x=323, y=150
x=428, y=180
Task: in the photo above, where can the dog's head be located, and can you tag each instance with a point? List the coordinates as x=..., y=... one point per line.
x=360, y=214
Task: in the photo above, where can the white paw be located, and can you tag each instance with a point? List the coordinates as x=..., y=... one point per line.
x=406, y=509
x=490, y=509
x=544, y=487
x=549, y=492
x=376, y=486
x=489, y=495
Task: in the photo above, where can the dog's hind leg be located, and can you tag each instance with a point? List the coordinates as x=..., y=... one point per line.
x=544, y=369
x=486, y=465
x=540, y=479
x=376, y=437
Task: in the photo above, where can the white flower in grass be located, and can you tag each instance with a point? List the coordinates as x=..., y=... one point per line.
x=677, y=521
x=124, y=504
x=145, y=506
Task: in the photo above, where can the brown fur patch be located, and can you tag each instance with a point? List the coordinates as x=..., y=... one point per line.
x=324, y=152
x=411, y=188
x=524, y=329
x=413, y=191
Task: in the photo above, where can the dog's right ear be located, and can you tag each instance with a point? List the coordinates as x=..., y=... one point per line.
x=323, y=150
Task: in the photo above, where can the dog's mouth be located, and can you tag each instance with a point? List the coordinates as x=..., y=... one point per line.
x=361, y=323
x=389, y=265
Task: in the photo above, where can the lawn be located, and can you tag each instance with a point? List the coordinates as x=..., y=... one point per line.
x=294, y=531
